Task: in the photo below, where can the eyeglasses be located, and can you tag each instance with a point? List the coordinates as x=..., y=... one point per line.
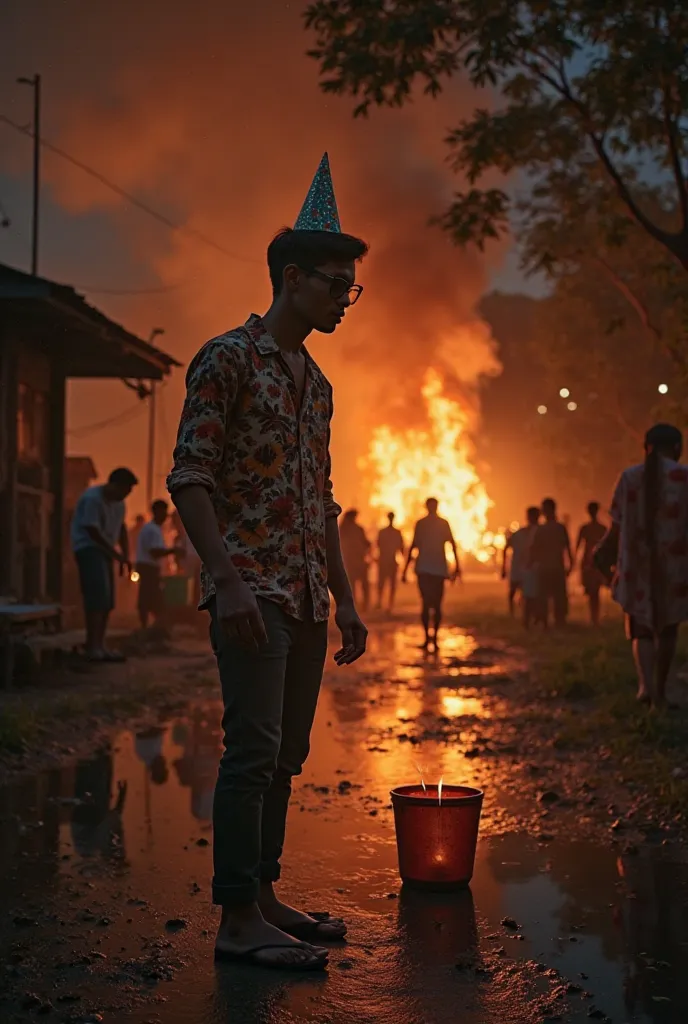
x=339, y=286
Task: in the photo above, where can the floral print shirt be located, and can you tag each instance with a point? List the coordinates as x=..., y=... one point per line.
x=631, y=586
x=265, y=462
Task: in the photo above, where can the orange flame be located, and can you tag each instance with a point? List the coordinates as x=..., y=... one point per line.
x=408, y=466
x=439, y=791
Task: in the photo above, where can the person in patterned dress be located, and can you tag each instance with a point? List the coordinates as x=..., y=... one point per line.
x=647, y=543
x=251, y=482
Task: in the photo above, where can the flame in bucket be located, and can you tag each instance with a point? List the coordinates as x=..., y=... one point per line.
x=422, y=780
x=439, y=791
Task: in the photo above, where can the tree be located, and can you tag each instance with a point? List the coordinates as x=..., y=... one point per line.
x=590, y=105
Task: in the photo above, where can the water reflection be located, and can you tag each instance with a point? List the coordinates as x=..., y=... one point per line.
x=133, y=820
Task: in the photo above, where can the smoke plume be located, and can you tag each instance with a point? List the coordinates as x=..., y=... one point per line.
x=218, y=122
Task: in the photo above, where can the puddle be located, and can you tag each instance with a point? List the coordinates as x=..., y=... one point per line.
x=97, y=858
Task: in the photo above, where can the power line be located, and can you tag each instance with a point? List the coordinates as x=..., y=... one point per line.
x=119, y=419
x=193, y=232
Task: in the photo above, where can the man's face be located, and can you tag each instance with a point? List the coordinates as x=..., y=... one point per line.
x=160, y=515
x=322, y=298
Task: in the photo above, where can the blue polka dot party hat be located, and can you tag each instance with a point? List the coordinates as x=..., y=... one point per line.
x=319, y=211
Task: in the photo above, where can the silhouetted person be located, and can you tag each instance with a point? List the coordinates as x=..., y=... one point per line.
x=390, y=544
x=522, y=578
x=151, y=549
x=589, y=536
x=355, y=552
x=647, y=543
x=551, y=555
x=99, y=539
x=430, y=538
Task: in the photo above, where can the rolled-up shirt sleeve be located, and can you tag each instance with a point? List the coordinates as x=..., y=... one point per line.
x=212, y=384
x=331, y=508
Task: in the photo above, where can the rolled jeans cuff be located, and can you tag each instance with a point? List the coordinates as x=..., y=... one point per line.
x=235, y=895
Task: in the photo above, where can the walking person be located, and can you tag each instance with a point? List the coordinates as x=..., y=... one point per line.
x=99, y=539
x=356, y=554
x=589, y=536
x=151, y=549
x=519, y=574
x=647, y=543
x=551, y=556
x=251, y=482
x=430, y=539
x=390, y=545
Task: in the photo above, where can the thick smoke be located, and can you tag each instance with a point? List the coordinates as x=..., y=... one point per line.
x=219, y=123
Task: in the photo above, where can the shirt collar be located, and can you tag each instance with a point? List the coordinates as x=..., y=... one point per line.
x=261, y=337
x=264, y=341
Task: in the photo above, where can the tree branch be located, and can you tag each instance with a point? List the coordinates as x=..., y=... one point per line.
x=640, y=308
x=679, y=177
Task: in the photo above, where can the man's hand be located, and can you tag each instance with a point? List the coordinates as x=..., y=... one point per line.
x=238, y=614
x=354, y=634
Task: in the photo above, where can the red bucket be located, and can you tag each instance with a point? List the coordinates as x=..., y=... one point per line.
x=436, y=840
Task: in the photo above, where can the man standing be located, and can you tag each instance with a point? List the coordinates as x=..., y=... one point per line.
x=390, y=544
x=589, y=536
x=251, y=482
x=355, y=552
x=430, y=538
x=519, y=574
x=551, y=545
x=99, y=539
x=150, y=550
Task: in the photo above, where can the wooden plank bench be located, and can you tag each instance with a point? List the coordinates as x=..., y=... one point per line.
x=17, y=622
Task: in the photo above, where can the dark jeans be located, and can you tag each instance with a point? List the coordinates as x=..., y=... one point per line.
x=553, y=592
x=270, y=698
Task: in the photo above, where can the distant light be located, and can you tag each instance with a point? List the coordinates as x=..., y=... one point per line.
x=134, y=577
x=542, y=409
x=564, y=392
x=572, y=406
x=663, y=388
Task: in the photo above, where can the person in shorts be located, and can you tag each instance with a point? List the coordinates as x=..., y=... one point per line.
x=647, y=547
x=430, y=539
x=99, y=540
x=519, y=574
x=589, y=536
x=150, y=551
x=550, y=553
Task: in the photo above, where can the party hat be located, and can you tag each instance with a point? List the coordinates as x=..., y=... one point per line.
x=319, y=211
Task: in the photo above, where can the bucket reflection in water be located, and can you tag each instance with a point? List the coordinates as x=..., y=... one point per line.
x=436, y=840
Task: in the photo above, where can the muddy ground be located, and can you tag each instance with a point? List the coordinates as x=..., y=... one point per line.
x=578, y=905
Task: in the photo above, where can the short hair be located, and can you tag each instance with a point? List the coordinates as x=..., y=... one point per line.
x=310, y=249
x=593, y=508
x=431, y=501
x=124, y=477
x=532, y=513
x=159, y=503
x=549, y=505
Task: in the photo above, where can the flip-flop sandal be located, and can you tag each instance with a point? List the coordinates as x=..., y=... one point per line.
x=249, y=957
x=311, y=931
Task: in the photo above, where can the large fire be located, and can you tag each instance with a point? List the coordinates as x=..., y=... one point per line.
x=405, y=467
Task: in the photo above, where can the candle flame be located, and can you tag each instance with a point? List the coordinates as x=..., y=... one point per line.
x=439, y=791
x=422, y=780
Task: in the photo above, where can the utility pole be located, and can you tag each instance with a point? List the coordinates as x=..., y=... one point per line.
x=35, y=84
x=150, y=471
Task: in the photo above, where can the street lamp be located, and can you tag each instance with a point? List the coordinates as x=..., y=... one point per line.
x=542, y=409
x=572, y=406
x=564, y=392
x=663, y=388
x=35, y=83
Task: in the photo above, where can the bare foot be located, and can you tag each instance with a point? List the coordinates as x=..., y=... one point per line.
x=643, y=696
x=241, y=936
x=281, y=915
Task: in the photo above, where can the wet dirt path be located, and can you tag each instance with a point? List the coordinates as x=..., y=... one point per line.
x=106, y=864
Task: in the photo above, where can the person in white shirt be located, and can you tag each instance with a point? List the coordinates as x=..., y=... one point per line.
x=150, y=550
x=99, y=539
x=430, y=538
